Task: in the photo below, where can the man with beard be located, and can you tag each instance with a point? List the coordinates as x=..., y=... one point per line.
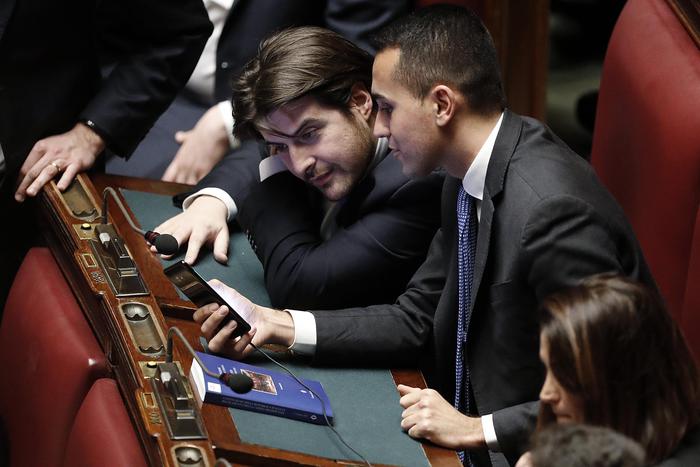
x=332, y=207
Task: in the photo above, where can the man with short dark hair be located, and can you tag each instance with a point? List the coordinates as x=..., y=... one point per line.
x=522, y=216
x=333, y=206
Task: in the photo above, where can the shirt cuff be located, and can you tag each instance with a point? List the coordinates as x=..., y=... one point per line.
x=304, y=332
x=217, y=193
x=270, y=166
x=490, y=433
x=226, y=111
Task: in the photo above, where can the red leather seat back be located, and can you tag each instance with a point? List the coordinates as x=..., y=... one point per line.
x=49, y=359
x=646, y=142
x=102, y=435
x=690, y=320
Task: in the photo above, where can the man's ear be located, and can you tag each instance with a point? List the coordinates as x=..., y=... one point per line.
x=361, y=100
x=444, y=101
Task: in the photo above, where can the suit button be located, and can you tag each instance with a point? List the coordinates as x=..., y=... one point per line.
x=225, y=65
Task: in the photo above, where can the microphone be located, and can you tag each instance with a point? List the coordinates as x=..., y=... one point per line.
x=165, y=244
x=238, y=382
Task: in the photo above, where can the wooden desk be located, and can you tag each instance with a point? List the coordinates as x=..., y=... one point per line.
x=131, y=351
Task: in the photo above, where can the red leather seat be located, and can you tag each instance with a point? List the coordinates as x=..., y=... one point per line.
x=102, y=435
x=646, y=143
x=49, y=359
x=690, y=319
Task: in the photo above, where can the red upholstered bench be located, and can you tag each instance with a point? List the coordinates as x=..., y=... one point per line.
x=646, y=146
x=690, y=319
x=102, y=434
x=49, y=359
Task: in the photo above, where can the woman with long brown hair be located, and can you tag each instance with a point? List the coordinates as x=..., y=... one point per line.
x=615, y=358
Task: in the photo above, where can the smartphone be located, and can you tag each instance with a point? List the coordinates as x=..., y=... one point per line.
x=201, y=293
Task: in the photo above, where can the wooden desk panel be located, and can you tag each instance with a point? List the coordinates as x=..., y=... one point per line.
x=168, y=309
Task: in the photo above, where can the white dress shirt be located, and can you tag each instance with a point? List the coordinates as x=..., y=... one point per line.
x=203, y=77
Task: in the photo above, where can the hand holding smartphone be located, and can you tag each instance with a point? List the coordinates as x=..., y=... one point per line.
x=201, y=293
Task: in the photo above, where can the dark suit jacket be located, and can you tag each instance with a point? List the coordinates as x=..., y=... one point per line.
x=50, y=76
x=383, y=230
x=546, y=222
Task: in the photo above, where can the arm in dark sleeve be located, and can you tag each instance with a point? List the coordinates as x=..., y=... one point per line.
x=564, y=241
x=167, y=38
x=357, y=20
x=368, y=261
x=514, y=427
x=236, y=173
x=388, y=335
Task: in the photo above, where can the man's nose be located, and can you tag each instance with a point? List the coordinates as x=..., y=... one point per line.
x=381, y=126
x=302, y=162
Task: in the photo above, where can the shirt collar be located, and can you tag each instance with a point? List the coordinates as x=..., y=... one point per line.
x=475, y=178
x=224, y=4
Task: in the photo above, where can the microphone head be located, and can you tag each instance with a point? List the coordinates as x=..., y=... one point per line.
x=166, y=244
x=239, y=382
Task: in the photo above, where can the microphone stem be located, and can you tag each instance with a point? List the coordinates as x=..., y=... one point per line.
x=173, y=331
x=110, y=190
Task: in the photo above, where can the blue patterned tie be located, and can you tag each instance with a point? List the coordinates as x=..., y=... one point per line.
x=466, y=248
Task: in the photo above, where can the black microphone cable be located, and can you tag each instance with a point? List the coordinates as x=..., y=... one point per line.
x=166, y=244
x=323, y=405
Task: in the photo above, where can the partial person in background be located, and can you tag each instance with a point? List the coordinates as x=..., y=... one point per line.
x=334, y=221
x=57, y=114
x=196, y=132
x=577, y=445
x=615, y=358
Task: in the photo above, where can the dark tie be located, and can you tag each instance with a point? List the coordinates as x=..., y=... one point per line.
x=466, y=247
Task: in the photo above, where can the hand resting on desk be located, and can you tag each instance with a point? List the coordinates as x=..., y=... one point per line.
x=428, y=415
x=68, y=154
x=202, y=223
x=268, y=326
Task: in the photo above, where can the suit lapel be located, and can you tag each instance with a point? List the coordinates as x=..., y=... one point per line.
x=483, y=241
x=6, y=8
x=503, y=149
